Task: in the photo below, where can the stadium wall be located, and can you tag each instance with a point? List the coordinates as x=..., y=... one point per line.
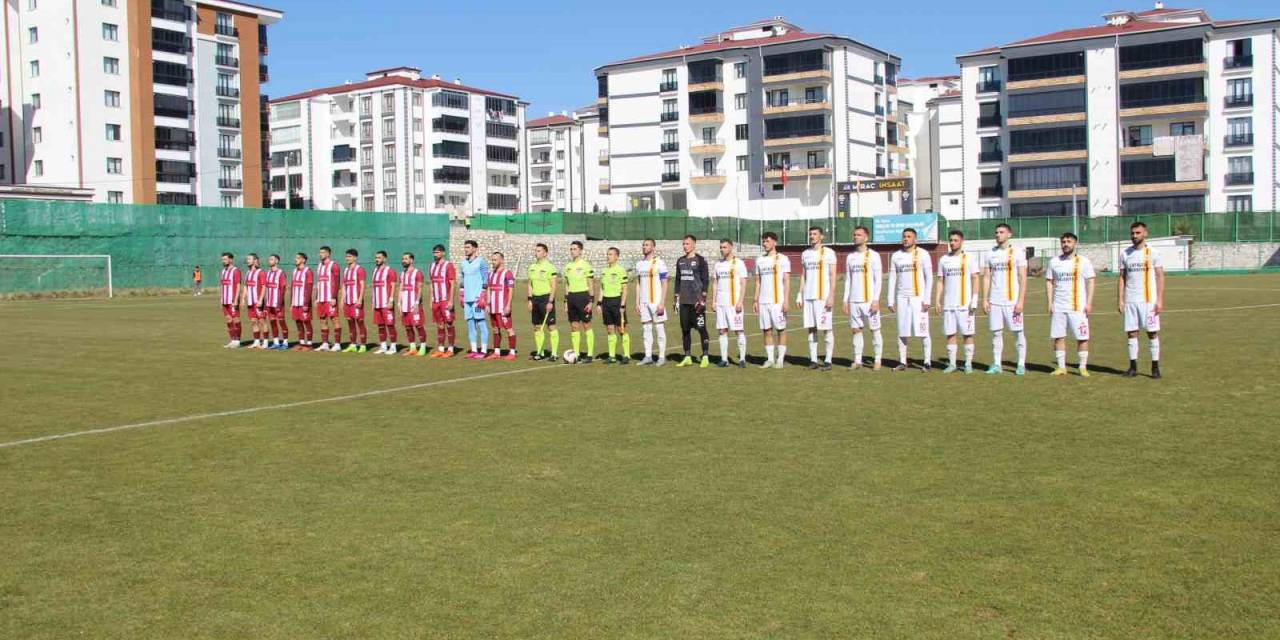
x=158, y=246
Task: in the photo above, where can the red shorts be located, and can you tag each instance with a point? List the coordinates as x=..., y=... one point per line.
x=353, y=312
x=274, y=313
x=500, y=320
x=257, y=313
x=412, y=318
x=302, y=314
x=326, y=310
x=384, y=317
x=442, y=313
x=230, y=311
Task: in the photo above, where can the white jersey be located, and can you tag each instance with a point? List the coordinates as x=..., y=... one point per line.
x=1004, y=264
x=862, y=275
x=819, y=272
x=731, y=281
x=651, y=273
x=1070, y=278
x=957, y=273
x=773, y=272
x=1138, y=268
x=910, y=273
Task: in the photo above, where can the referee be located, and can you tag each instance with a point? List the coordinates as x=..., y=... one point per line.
x=542, y=306
x=580, y=285
x=613, y=306
x=691, y=299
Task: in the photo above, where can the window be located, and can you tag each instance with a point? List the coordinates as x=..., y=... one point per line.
x=671, y=169
x=368, y=203
x=115, y=165
x=1147, y=171
x=389, y=127
x=451, y=99
x=668, y=80
x=1046, y=103
x=814, y=95
x=506, y=154
x=740, y=101
x=388, y=153
x=115, y=197
x=740, y=132
x=989, y=114
x=1239, y=203
x=1240, y=166
x=505, y=201
x=1239, y=54
x=1139, y=136
x=110, y=32
x=1051, y=66
x=742, y=163
x=1239, y=132
x=228, y=200
x=1162, y=54
x=1239, y=92
x=1164, y=92
x=111, y=66
x=388, y=102
x=366, y=105
x=108, y=3
x=775, y=161
x=739, y=69
x=35, y=68
x=815, y=160
x=1052, y=177
x=559, y=174
x=113, y=132
x=1042, y=140
x=991, y=212
x=37, y=134
x=560, y=135
x=366, y=131
x=991, y=185
x=560, y=194
x=33, y=35
x=495, y=107
x=500, y=130
x=708, y=135
x=796, y=127
x=777, y=98
x=417, y=99
x=31, y=5
x=389, y=178
x=560, y=155
x=389, y=202
x=419, y=176
x=418, y=202
x=35, y=101
x=37, y=168
x=1162, y=205
x=418, y=150
x=669, y=109
x=1049, y=209
x=988, y=79
x=111, y=98
x=1182, y=129
x=366, y=177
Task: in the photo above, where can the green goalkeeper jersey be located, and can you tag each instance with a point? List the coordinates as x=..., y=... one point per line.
x=541, y=274
x=612, y=280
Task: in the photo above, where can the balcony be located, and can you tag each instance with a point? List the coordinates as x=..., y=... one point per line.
x=991, y=192
x=1162, y=105
x=1234, y=101
x=604, y=157
x=671, y=177
x=668, y=87
x=366, y=187
x=263, y=75
x=796, y=106
x=227, y=92
x=344, y=179
x=990, y=156
x=669, y=147
x=172, y=79
x=1237, y=179
x=229, y=123
x=818, y=170
x=879, y=110
x=1237, y=62
x=701, y=116
x=344, y=154
x=226, y=30
x=539, y=160
x=880, y=172
x=604, y=185
x=227, y=152
x=1162, y=66
x=989, y=121
x=1046, y=78
x=230, y=183
x=708, y=146
x=800, y=137
x=173, y=178
x=602, y=130
x=1237, y=140
x=879, y=141
x=1049, y=191
x=791, y=73
x=877, y=79
x=227, y=61
x=705, y=82
x=669, y=116
x=988, y=86
x=707, y=178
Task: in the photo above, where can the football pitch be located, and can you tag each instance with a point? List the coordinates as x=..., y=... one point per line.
x=209, y=493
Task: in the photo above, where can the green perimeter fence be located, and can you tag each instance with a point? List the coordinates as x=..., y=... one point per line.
x=158, y=246
x=1263, y=226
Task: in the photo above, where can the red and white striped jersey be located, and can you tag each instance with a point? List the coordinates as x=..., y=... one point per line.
x=352, y=283
x=501, y=283
x=442, y=276
x=275, y=288
x=255, y=283
x=301, y=283
x=229, y=281
x=384, y=281
x=410, y=289
x=327, y=275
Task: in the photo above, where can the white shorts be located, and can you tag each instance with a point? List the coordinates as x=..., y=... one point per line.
x=860, y=315
x=816, y=315
x=649, y=313
x=727, y=317
x=1078, y=322
x=1002, y=316
x=1141, y=316
x=960, y=321
x=772, y=317
x=913, y=322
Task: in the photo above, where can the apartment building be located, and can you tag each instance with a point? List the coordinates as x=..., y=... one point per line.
x=154, y=102
x=914, y=98
x=398, y=142
x=1166, y=110
x=555, y=162
x=764, y=120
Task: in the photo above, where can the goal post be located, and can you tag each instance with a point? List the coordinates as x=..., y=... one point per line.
x=36, y=273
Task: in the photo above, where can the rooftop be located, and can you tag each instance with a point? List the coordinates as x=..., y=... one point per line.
x=394, y=76
x=551, y=120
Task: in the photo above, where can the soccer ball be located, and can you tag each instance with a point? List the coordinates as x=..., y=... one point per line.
x=570, y=356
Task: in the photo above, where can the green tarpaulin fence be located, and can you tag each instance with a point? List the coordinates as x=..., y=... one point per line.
x=158, y=246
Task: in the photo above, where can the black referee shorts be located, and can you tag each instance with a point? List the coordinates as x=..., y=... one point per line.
x=577, y=303
x=540, y=315
x=612, y=312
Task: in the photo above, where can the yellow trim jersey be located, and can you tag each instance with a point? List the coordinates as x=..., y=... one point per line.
x=956, y=272
x=910, y=273
x=819, y=272
x=862, y=276
x=1138, y=268
x=650, y=274
x=1070, y=278
x=1003, y=263
x=731, y=280
x=773, y=272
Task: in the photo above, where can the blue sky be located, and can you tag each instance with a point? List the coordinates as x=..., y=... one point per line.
x=544, y=51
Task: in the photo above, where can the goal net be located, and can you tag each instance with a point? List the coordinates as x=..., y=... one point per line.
x=55, y=275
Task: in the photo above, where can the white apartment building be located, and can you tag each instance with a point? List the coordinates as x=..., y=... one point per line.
x=566, y=160
x=763, y=120
x=1161, y=111
x=142, y=102
x=398, y=142
x=914, y=97
x=946, y=154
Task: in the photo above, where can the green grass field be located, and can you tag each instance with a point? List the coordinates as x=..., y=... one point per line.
x=459, y=499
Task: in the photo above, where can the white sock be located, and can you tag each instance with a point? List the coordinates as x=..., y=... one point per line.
x=1061, y=357
x=768, y=352
x=724, y=346
x=858, y=344
x=877, y=344
x=831, y=345
x=648, y=340
x=968, y=355
x=1154, y=343
x=742, y=347
x=997, y=348
x=951, y=355
x=1020, y=339
x=813, y=346
x=1133, y=348
x=782, y=352
x=902, y=350
x=928, y=349
x=1084, y=358
x=662, y=341
x=413, y=345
